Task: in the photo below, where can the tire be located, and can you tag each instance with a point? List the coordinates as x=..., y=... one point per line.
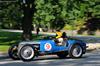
x=76, y=51
x=62, y=54
x=12, y=52
x=27, y=53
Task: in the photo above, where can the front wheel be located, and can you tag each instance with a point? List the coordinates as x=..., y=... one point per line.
x=76, y=51
x=27, y=53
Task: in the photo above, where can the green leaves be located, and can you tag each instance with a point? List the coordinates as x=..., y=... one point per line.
x=10, y=14
x=48, y=11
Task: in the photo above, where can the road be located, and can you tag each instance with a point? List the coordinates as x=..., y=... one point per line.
x=89, y=59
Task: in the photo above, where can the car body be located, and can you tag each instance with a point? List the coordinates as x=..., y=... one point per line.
x=27, y=50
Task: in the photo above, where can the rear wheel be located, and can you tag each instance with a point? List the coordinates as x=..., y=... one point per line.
x=12, y=52
x=27, y=53
x=62, y=54
x=76, y=51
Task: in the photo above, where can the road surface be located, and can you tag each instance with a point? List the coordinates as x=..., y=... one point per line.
x=89, y=59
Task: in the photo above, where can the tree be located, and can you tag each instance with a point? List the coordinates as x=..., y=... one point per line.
x=43, y=14
x=10, y=15
x=49, y=12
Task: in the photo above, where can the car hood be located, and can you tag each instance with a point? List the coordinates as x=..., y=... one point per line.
x=36, y=42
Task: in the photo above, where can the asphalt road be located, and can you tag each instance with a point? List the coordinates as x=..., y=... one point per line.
x=89, y=59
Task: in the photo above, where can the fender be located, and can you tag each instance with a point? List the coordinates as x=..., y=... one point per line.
x=71, y=43
x=21, y=44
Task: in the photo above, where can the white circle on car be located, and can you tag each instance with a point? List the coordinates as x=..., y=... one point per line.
x=47, y=46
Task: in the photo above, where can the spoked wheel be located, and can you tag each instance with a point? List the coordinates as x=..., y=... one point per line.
x=27, y=53
x=76, y=51
x=13, y=52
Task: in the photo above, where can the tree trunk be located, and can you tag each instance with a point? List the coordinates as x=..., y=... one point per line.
x=27, y=23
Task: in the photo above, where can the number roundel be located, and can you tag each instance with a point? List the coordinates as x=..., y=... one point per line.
x=47, y=46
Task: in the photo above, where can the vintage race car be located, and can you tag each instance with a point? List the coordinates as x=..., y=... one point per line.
x=27, y=50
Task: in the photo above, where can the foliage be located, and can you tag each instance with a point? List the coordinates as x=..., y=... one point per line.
x=51, y=13
x=10, y=15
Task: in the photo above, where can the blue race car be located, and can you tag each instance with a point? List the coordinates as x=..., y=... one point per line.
x=27, y=50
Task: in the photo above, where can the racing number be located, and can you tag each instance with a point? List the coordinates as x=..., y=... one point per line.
x=47, y=46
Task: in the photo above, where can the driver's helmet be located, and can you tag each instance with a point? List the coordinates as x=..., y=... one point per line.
x=58, y=34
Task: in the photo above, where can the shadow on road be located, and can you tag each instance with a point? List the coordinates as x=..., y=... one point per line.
x=56, y=58
x=4, y=57
x=51, y=58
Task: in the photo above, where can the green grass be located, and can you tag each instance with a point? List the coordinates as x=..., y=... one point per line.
x=4, y=48
x=9, y=38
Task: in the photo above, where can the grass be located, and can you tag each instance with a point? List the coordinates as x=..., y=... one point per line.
x=4, y=48
x=9, y=38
